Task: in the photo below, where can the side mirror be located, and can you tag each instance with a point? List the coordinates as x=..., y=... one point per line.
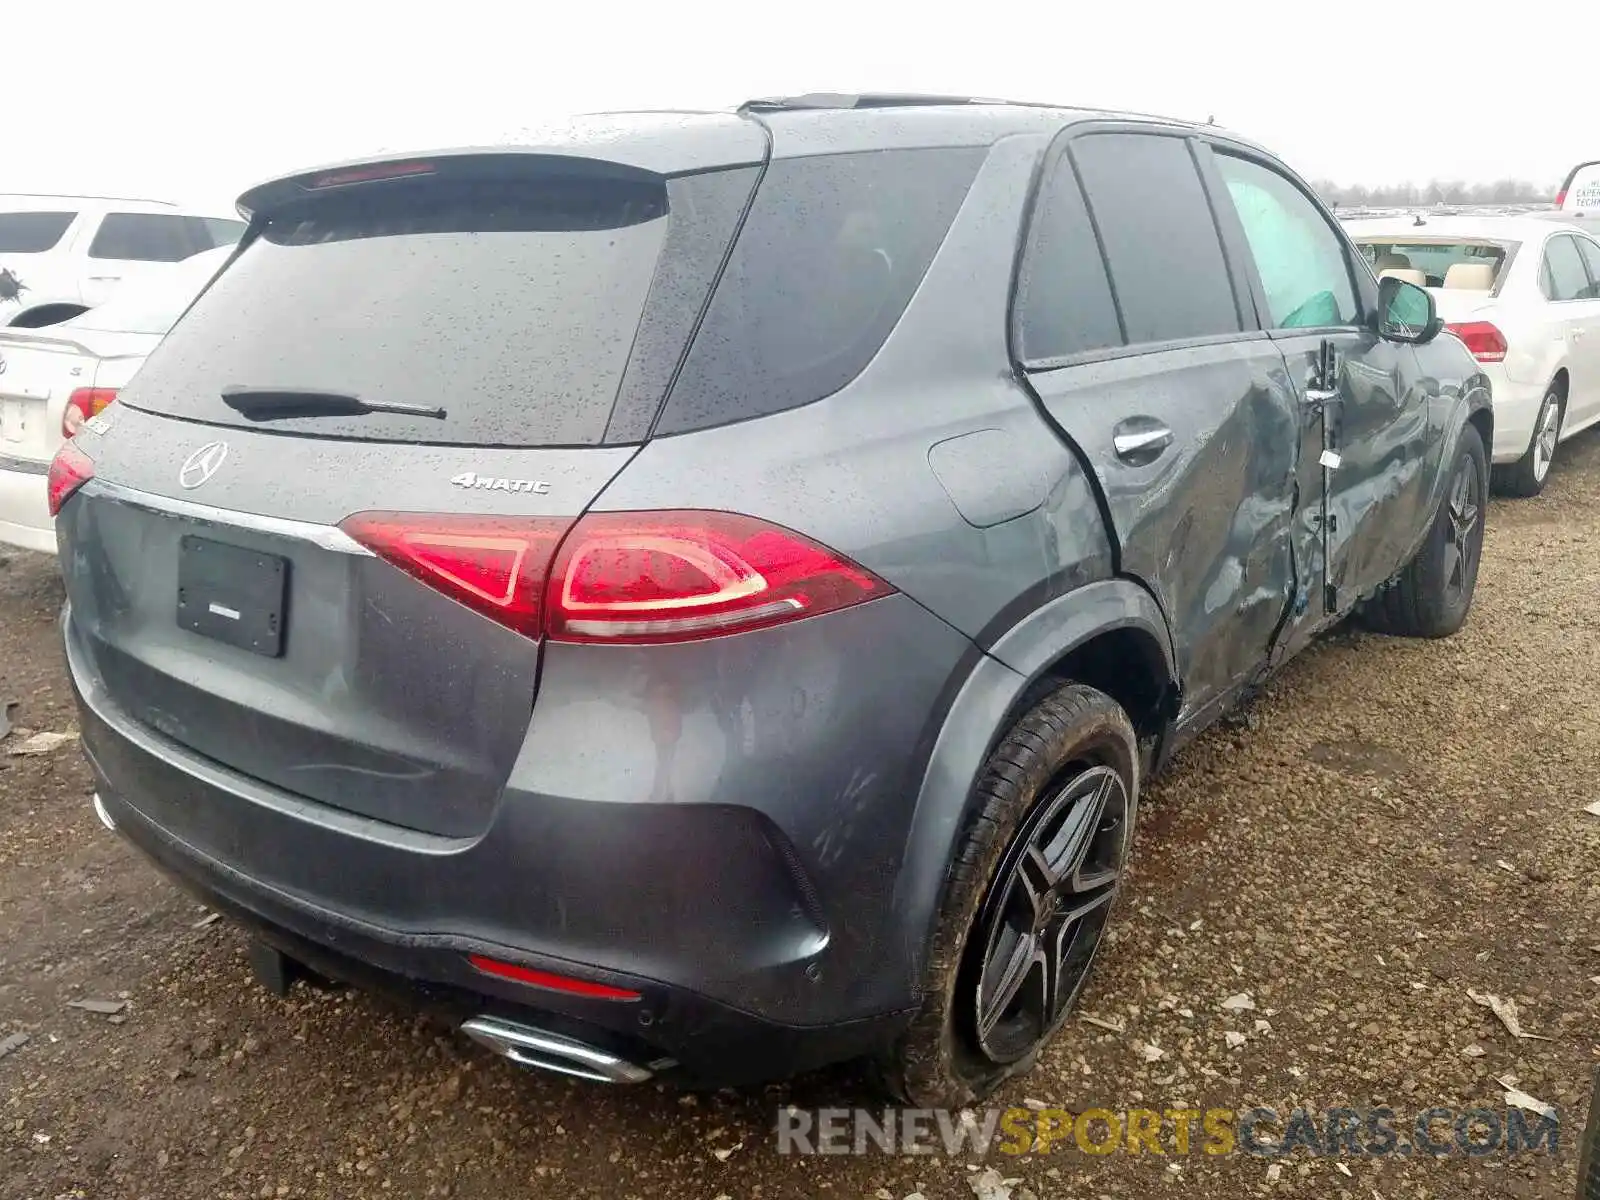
x=1406, y=313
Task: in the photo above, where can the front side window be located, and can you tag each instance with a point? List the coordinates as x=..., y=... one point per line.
x=1299, y=257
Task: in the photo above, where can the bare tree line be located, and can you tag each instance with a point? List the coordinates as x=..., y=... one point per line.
x=1436, y=191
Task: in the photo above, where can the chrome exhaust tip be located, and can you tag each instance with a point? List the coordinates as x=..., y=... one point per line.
x=529, y=1047
x=100, y=811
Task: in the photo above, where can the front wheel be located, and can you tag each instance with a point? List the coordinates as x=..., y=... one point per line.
x=1431, y=595
x=1029, y=897
x=1526, y=476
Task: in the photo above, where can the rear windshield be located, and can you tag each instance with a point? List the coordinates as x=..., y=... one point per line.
x=1434, y=259
x=32, y=232
x=512, y=304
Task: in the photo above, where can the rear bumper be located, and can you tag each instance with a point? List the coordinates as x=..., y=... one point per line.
x=1516, y=411
x=705, y=1040
x=740, y=871
x=24, y=514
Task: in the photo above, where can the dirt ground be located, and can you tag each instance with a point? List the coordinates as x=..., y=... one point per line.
x=1394, y=823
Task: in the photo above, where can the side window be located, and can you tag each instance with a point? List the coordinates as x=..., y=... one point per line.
x=144, y=237
x=831, y=251
x=1300, y=258
x=32, y=232
x=1064, y=304
x=1564, y=276
x=222, y=231
x=1590, y=252
x=1161, y=243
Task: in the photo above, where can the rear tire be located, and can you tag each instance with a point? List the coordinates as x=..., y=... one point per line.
x=1526, y=477
x=1029, y=895
x=1431, y=596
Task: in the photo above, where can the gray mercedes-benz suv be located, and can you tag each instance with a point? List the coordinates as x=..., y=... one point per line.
x=700, y=595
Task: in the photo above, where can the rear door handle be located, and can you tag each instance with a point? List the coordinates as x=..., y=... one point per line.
x=105, y=278
x=1142, y=445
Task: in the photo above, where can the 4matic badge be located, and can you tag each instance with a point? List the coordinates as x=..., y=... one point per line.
x=471, y=479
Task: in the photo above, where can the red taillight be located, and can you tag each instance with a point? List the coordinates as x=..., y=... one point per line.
x=1485, y=341
x=69, y=470
x=496, y=566
x=544, y=979
x=621, y=577
x=406, y=170
x=83, y=404
x=1561, y=197
x=676, y=576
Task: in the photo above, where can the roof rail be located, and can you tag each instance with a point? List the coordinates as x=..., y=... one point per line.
x=854, y=100
x=858, y=100
x=86, y=196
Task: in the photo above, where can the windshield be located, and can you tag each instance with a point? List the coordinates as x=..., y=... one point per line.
x=151, y=306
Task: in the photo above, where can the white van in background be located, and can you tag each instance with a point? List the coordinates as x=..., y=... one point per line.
x=62, y=255
x=1581, y=191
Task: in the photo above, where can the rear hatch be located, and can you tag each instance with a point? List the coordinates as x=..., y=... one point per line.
x=450, y=358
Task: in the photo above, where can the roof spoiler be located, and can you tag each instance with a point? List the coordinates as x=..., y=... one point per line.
x=638, y=146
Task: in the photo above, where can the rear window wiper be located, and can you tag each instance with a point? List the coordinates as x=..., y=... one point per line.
x=264, y=404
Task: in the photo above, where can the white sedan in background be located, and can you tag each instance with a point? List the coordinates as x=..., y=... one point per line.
x=54, y=379
x=1523, y=293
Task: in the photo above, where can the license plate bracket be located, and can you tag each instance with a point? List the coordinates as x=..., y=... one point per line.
x=232, y=595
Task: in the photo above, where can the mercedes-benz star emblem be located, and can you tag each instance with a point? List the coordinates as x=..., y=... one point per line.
x=202, y=464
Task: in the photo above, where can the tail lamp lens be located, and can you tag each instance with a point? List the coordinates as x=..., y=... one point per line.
x=1485, y=341
x=69, y=470
x=621, y=577
x=83, y=404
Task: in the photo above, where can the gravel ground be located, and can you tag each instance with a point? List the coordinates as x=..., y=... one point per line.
x=1392, y=824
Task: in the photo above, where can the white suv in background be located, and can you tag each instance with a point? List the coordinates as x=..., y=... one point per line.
x=62, y=255
x=1523, y=293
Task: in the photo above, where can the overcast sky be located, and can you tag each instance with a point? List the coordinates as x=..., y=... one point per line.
x=194, y=101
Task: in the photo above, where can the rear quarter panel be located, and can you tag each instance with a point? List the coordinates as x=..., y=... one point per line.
x=935, y=469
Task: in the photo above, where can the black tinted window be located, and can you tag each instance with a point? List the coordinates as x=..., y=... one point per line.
x=1064, y=305
x=32, y=232
x=1591, y=259
x=1565, y=278
x=222, y=231
x=147, y=237
x=513, y=305
x=829, y=255
x=1160, y=239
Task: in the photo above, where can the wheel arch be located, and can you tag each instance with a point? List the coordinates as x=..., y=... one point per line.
x=41, y=315
x=1562, y=382
x=1110, y=634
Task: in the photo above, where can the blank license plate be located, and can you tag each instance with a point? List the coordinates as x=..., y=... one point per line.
x=232, y=595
